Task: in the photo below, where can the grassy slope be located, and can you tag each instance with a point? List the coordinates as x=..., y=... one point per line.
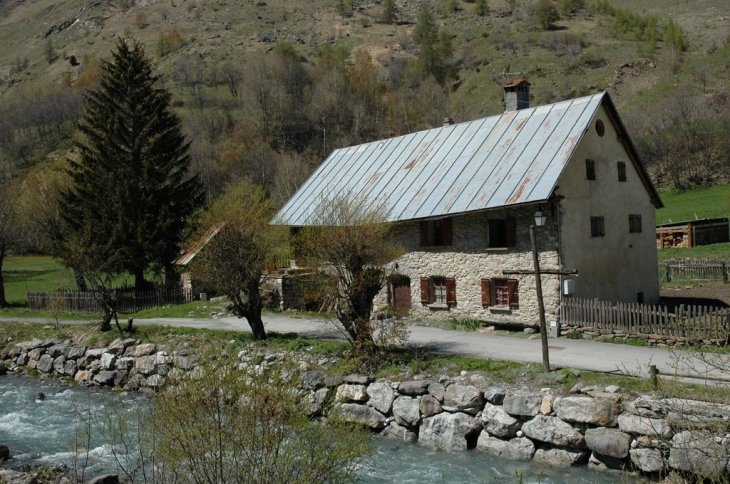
x=692, y=204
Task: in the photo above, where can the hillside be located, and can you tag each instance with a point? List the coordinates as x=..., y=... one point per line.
x=215, y=55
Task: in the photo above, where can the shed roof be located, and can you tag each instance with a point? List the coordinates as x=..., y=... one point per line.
x=509, y=159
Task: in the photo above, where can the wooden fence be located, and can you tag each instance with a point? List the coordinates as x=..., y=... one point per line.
x=695, y=270
x=128, y=301
x=686, y=322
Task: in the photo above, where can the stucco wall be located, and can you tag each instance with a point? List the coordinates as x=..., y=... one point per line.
x=619, y=265
x=469, y=260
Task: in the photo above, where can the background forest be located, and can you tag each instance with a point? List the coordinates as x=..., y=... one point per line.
x=267, y=89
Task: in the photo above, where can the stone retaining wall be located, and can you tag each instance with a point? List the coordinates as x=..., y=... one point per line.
x=602, y=427
x=658, y=340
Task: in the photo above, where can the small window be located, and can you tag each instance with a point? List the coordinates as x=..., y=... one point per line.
x=590, y=170
x=597, y=227
x=438, y=290
x=502, y=233
x=500, y=292
x=640, y=297
x=621, y=166
x=600, y=128
x=634, y=223
x=435, y=233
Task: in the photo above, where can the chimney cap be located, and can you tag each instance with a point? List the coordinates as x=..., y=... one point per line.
x=517, y=82
x=448, y=121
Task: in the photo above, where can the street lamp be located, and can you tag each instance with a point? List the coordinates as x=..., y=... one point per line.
x=540, y=218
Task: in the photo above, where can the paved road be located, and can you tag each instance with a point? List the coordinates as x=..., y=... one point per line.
x=581, y=354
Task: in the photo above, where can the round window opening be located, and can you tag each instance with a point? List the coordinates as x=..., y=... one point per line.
x=600, y=129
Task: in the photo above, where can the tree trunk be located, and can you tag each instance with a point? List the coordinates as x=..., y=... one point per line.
x=172, y=277
x=140, y=284
x=80, y=280
x=3, y=301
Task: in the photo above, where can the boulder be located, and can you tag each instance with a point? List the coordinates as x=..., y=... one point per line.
x=35, y=354
x=381, y=396
x=495, y=395
x=105, y=479
x=117, y=346
x=8, y=476
x=653, y=427
x=122, y=378
x=105, y=377
x=311, y=380
x=604, y=463
x=163, y=358
x=429, y=406
x=134, y=383
x=699, y=453
x=554, y=431
x=82, y=376
x=463, y=398
x=647, y=460
x=155, y=381
x=3, y=369
x=522, y=404
x=448, y=431
x=499, y=423
x=399, y=432
x=185, y=362
x=108, y=360
x=76, y=352
x=125, y=363
x=558, y=457
x=518, y=448
x=58, y=350
x=583, y=409
x=546, y=407
x=59, y=364
x=363, y=415
x=95, y=352
x=22, y=359
x=437, y=390
x=608, y=442
x=144, y=349
x=45, y=364
x=146, y=365
x=315, y=401
x=356, y=379
x=36, y=343
x=333, y=380
x=351, y=393
x=406, y=411
x=4, y=453
x=414, y=387
x=69, y=368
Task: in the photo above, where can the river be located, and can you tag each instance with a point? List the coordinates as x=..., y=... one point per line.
x=42, y=432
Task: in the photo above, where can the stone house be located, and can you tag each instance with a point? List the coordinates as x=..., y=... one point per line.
x=463, y=197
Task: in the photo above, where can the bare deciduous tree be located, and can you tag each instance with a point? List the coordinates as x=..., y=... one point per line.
x=10, y=228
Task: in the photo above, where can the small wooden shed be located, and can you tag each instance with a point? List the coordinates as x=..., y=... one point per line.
x=692, y=233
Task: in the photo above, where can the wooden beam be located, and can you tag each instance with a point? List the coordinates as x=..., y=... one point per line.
x=562, y=272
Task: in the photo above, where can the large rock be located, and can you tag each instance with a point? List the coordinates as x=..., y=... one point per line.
x=82, y=376
x=45, y=364
x=610, y=442
x=399, y=432
x=315, y=401
x=558, y=457
x=363, y=415
x=414, y=387
x=499, y=423
x=406, y=411
x=448, y=431
x=58, y=350
x=105, y=377
x=311, y=380
x=437, y=391
x=429, y=406
x=351, y=393
x=596, y=411
x=518, y=448
x=59, y=364
x=495, y=395
x=553, y=431
x=125, y=363
x=356, y=379
x=463, y=398
x=76, y=352
x=4, y=453
x=95, y=353
x=647, y=460
x=14, y=477
x=601, y=462
x=699, y=453
x=522, y=404
x=36, y=343
x=146, y=365
x=653, y=427
x=144, y=349
x=108, y=360
x=69, y=368
x=381, y=396
x=105, y=479
x=155, y=381
x=117, y=346
x=35, y=354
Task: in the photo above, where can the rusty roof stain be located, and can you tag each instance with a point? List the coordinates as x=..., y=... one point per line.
x=510, y=159
x=516, y=82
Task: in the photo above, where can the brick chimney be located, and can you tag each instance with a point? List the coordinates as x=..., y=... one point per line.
x=516, y=95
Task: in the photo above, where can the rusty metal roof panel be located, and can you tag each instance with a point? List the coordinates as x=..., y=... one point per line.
x=510, y=159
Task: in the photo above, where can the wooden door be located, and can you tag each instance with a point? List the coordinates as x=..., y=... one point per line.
x=402, y=299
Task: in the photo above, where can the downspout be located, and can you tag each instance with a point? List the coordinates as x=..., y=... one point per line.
x=560, y=266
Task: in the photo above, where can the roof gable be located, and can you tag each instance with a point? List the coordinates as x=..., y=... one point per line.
x=509, y=159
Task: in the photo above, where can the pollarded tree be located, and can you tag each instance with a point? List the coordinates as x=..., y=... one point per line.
x=131, y=189
x=239, y=240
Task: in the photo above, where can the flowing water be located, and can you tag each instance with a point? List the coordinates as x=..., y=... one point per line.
x=41, y=432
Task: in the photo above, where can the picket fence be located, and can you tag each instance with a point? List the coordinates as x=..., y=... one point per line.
x=691, y=323
x=695, y=270
x=127, y=300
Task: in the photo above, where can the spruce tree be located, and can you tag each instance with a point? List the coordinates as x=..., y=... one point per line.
x=390, y=12
x=481, y=8
x=131, y=192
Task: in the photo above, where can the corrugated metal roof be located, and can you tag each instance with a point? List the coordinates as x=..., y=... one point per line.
x=187, y=255
x=510, y=159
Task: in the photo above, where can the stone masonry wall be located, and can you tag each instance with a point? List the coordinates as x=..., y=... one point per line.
x=469, y=260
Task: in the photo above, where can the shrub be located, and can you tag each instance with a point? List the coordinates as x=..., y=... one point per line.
x=546, y=13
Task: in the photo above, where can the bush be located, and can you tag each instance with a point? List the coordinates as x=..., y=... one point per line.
x=546, y=13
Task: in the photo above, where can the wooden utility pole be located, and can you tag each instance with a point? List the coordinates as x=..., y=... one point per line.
x=540, y=305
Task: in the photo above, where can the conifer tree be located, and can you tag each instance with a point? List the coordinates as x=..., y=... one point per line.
x=131, y=191
x=481, y=8
x=390, y=12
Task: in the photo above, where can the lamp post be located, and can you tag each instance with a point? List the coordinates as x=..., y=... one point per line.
x=540, y=218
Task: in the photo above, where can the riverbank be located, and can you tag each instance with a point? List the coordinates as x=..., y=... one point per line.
x=502, y=412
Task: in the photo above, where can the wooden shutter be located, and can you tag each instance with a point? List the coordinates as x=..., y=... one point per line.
x=450, y=290
x=424, y=234
x=486, y=292
x=510, y=225
x=425, y=292
x=447, y=232
x=514, y=296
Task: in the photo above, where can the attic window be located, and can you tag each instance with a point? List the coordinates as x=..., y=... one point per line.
x=590, y=170
x=436, y=233
x=502, y=233
x=597, y=227
x=621, y=171
x=600, y=128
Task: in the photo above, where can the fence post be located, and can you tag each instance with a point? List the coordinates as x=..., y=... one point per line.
x=654, y=374
x=724, y=272
x=667, y=275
